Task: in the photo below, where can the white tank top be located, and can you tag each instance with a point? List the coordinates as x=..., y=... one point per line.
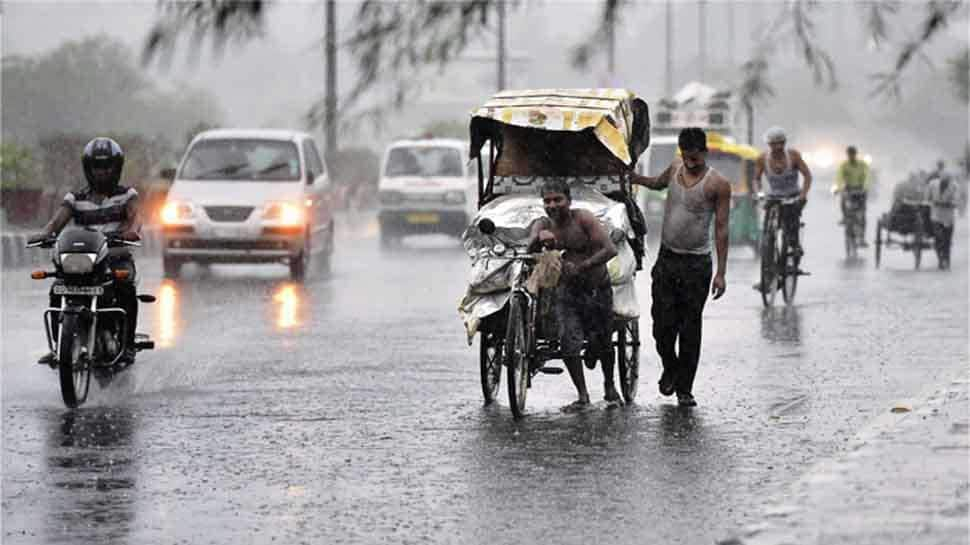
x=687, y=216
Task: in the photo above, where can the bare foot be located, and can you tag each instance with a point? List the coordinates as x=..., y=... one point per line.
x=613, y=398
x=576, y=406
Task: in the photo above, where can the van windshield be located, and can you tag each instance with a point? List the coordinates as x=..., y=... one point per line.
x=423, y=161
x=242, y=160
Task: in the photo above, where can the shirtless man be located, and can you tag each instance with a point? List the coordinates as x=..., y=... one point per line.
x=584, y=296
x=697, y=194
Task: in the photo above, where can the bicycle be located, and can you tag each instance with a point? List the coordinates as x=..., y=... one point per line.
x=779, y=258
x=855, y=222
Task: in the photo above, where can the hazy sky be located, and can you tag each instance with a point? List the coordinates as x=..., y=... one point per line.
x=273, y=81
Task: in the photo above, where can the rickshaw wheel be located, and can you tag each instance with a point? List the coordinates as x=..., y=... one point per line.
x=878, y=242
x=628, y=357
x=490, y=364
x=516, y=356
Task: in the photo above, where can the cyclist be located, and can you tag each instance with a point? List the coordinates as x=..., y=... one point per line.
x=853, y=177
x=781, y=167
x=110, y=208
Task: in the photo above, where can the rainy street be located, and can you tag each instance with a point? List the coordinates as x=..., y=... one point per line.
x=348, y=409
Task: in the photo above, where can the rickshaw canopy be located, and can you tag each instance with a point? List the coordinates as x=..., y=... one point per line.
x=617, y=119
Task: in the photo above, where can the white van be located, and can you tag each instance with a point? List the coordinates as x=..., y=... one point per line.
x=249, y=196
x=426, y=186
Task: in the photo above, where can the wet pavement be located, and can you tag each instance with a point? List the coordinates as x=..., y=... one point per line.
x=348, y=409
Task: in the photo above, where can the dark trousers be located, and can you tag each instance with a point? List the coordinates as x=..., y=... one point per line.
x=680, y=287
x=943, y=239
x=125, y=296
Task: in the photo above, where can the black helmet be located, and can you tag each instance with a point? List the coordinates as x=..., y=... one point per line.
x=103, y=153
x=851, y=150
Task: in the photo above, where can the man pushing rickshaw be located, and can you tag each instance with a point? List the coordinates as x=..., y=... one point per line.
x=559, y=178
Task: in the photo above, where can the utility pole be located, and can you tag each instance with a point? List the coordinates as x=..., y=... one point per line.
x=611, y=48
x=702, y=38
x=501, y=44
x=330, y=100
x=668, y=67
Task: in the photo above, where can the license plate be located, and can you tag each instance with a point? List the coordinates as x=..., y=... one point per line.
x=78, y=290
x=422, y=218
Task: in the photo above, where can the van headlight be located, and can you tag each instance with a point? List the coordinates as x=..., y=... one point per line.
x=454, y=197
x=288, y=214
x=78, y=263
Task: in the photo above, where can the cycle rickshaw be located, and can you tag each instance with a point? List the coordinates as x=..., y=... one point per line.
x=909, y=220
x=591, y=138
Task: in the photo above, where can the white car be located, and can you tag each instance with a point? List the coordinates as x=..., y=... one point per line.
x=249, y=196
x=426, y=186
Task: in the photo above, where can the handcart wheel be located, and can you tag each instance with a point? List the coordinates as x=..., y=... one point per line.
x=628, y=357
x=490, y=364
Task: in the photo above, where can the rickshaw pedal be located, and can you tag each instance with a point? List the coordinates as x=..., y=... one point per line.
x=551, y=370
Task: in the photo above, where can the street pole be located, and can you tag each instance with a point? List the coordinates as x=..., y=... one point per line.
x=702, y=38
x=501, y=44
x=330, y=100
x=611, y=51
x=668, y=68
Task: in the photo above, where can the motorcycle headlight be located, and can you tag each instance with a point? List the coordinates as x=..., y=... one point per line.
x=499, y=248
x=455, y=197
x=78, y=263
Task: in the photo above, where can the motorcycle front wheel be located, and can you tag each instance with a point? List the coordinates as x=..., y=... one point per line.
x=73, y=370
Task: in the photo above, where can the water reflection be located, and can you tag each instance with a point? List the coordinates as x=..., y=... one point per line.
x=288, y=298
x=167, y=322
x=90, y=461
x=781, y=324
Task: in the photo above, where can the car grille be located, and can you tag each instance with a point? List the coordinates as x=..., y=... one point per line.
x=228, y=213
x=228, y=244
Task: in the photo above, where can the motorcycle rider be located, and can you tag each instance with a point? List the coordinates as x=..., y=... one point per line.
x=853, y=176
x=111, y=208
x=781, y=167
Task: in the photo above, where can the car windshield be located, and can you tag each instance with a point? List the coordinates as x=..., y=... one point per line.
x=242, y=160
x=423, y=161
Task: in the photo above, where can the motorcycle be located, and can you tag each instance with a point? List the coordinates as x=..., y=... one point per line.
x=92, y=334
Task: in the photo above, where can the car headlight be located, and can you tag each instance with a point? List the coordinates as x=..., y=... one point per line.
x=454, y=197
x=176, y=212
x=78, y=263
x=390, y=197
x=284, y=213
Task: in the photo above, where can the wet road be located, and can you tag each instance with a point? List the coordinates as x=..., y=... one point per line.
x=348, y=410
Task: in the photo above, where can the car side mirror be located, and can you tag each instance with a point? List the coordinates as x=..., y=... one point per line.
x=310, y=177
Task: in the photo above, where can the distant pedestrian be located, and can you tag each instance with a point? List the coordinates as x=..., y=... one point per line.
x=943, y=196
x=697, y=195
